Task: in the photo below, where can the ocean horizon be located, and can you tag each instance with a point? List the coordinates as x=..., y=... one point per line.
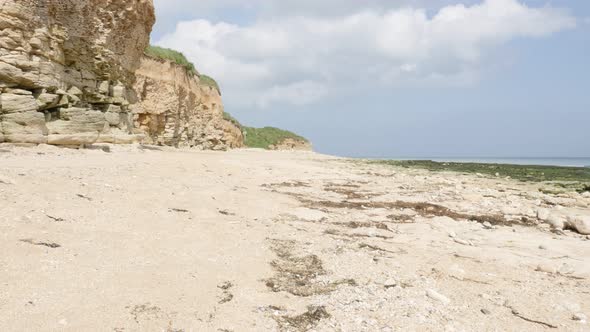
x=540, y=161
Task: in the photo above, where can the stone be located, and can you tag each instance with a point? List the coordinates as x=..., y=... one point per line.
x=488, y=225
x=49, y=100
x=114, y=119
x=452, y=234
x=580, y=224
x=463, y=242
x=431, y=293
x=390, y=283
x=73, y=139
x=486, y=312
x=104, y=87
x=580, y=317
x=5, y=180
x=75, y=91
x=77, y=120
x=556, y=221
x=23, y=123
x=119, y=91
x=16, y=103
x=19, y=92
x=542, y=214
x=546, y=268
x=542, y=247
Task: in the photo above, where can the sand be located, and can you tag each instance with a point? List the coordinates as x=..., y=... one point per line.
x=175, y=240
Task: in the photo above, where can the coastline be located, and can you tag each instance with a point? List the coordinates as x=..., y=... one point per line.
x=521, y=161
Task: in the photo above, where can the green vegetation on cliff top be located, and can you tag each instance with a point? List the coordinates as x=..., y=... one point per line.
x=172, y=55
x=230, y=118
x=265, y=137
x=208, y=81
x=262, y=138
x=180, y=59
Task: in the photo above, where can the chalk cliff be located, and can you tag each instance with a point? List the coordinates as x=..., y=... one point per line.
x=67, y=68
x=177, y=108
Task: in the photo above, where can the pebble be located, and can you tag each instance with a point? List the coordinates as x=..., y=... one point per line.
x=542, y=214
x=431, y=293
x=580, y=317
x=390, y=283
x=452, y=234
x=556, y=222
x=486, y=312
x=580, y=223
x=463, y=242
x=488, y=225
x=547, y=268
x=5, y=180
x=542, y=247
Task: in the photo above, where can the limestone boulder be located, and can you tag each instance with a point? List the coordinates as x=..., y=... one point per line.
x=580, y=224
x=17, y=103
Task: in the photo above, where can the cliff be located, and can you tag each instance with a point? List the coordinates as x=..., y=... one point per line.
x=177, y=108
x=67, y=68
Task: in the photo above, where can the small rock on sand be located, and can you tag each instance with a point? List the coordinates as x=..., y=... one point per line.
x=5, y=180
x=488, y=225
x=556, y=221
x=463, y=242
x=431, y=293
x=390, y=283
x=547, y=268
x=452, y=234
x=580, y=317
x=542, y=214
x=581, y=224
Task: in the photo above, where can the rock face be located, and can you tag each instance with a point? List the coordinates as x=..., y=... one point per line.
x=293, y=144
x=176, y=109
x=67, y=68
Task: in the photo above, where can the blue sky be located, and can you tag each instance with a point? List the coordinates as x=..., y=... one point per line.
x=396, y=78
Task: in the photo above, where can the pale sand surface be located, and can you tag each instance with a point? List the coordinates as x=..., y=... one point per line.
x=247, y=240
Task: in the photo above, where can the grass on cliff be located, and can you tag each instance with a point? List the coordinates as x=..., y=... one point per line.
x=230, y=118
x=172, y=55
x=208, y=81
x=577, y=178
x=263, y=138
x=180, y=59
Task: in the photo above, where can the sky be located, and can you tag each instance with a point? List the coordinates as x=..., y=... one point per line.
x=398, y=78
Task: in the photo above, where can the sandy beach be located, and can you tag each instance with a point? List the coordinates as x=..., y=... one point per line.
x=157, y=239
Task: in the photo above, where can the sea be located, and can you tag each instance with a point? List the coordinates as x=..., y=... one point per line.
x=570, y=162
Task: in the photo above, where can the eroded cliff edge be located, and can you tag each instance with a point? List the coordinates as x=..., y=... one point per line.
x=67, y=69
x=177, y=108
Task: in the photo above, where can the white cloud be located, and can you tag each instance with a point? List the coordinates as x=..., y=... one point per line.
x=298, y=93
x=299, y=59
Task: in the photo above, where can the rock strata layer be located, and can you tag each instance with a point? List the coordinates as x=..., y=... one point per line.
x=67, y=68
x=175, y=108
